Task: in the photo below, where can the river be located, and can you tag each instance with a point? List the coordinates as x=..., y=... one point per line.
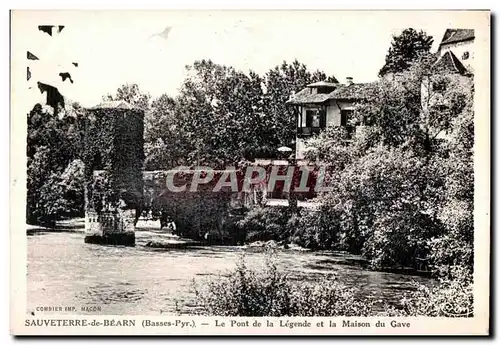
x=64, y=271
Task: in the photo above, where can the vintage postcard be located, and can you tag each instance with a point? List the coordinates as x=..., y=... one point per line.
x=250, y=172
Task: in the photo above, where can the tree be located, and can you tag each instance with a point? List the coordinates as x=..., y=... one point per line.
x=223, y=115
x=72, y=188
x=279, y=83
x=404, y=188
x=405, y=49
x=455, y=247
x=218, y=113
x=53, y=186
x=164, y=142
x=131, y=94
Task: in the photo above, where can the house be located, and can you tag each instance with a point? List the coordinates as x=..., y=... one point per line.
x=459, y=44
x=455, y=56
x=323, y=104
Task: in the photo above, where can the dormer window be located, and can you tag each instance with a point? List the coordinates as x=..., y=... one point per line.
x=324, y=90
x=321, y=87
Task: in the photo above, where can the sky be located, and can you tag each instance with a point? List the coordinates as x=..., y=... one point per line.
x=117, y=47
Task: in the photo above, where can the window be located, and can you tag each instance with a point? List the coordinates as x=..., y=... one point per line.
x=439, y=85
x=309, y=117
x=345, y=117
x=324, y=90
x=465, y=55
x=315, y=118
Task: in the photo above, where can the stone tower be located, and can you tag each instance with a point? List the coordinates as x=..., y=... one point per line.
x=114, y=157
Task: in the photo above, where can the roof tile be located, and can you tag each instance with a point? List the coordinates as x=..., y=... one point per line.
x=457, y=35
x=356, y=91
x=449, y=62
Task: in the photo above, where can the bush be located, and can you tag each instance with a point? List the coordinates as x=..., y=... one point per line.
x=312, y=229
x=453, y=296
x=265, y=224
x=269, y=292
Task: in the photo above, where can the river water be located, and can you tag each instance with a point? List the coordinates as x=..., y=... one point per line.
x=64, y=271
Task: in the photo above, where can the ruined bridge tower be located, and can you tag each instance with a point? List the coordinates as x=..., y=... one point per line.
x=114, y=157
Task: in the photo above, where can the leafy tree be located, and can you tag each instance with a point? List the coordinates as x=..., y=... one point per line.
x=131, y=94
x=53, y=142
x=405, y=49
x=72, y=188
x=279, y=83
x=218, y=113
x=455, y=247
x=381, y=207
x=223, y=115
x=329, y=146
x=404, y=188
x=164, y=142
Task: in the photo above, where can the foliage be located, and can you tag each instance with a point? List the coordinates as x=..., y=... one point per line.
x=219, y=113
x=114, y=142
x=270, y=292
x=451, y=297
x=403, y=189
x=329, y=146
x=456, y=245
x=265, y=223
x=164, y=143
x=313, y=229
x=222, y=115
x=405, y=49
x=54, y=187
x=382, y=207
x=131, y=94
x=72, y=188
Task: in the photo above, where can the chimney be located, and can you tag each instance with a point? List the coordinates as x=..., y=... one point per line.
x=349, y=80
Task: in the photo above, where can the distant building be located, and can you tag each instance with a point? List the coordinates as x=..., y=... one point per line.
x=455, y=56
x=325, y=104
x=459, y=45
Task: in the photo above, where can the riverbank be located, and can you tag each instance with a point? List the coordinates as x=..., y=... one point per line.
x=67, y=225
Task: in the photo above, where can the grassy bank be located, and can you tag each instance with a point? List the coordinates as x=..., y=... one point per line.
x=270, y=292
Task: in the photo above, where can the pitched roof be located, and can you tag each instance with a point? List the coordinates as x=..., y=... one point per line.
x=457, y=35
x=352, y=91
x=449, y=62
x=323, y=84
x=306, y=96
x=346, y=92
x=113, y=104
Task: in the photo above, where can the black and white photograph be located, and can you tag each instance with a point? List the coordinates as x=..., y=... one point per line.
x=237, y=172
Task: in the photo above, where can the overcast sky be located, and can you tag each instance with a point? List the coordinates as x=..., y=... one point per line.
x=113, y=48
